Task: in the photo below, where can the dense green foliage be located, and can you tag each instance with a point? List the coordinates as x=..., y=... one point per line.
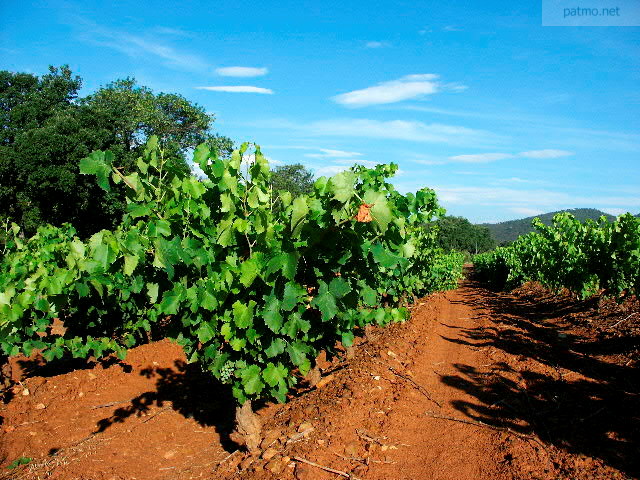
x=582, y=257
x=46, y=129
x=506, y=232
x=251, y=292
x=457, y=233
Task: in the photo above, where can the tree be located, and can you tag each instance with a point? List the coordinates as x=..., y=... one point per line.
x=27, y=102
x=134, y=113
x=295, y=179
x=222, y=146
x=42, y=140
x=457, y=233
x=47, y=129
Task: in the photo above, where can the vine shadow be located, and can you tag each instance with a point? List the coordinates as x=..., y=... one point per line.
x=592, y=410
x=189, y=391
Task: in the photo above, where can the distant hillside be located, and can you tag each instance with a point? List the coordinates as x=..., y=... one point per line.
x=508, y=231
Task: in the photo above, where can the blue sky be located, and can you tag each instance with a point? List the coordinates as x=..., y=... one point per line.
x=503, y=117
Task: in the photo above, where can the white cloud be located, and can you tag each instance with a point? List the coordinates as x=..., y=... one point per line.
x=400, y=130
x=237, y=89
x=377, y=44
x=480, y=157
x=405, y=88
x=241, y=71
x=325, y=152
x=339, y=165
x=452, y=28
x=549, y=153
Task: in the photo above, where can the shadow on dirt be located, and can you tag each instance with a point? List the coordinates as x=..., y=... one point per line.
x=187, y=390
x=594, y=409
x=38, y=367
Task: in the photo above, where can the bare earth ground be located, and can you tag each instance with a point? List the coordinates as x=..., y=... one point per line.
x=478, y=385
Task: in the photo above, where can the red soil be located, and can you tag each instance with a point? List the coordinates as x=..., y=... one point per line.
x=477, y=385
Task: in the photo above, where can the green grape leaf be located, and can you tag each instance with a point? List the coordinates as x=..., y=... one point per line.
x=238, y=344
x=339, y=287
x=276, y=347
x=287, y=263
x=293, y=294
x=98, y=164
x=201, y=155
x=207, y=300
x=347, y=339
x=274, y=374
x=271, y=313
x=170, y=303
x=385, y=258
x=298, y=353
x=295, y=324
x=298, y=215
x=205, y=332
x=243, y=313
x=325, y=301
x=152, y=290
x=380, y=210
x=248, y=271
x=369, y=296
x=342, y=185
x=251, y=381
x=130, y=264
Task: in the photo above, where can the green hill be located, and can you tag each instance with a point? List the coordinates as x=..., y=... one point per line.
x=506, y=232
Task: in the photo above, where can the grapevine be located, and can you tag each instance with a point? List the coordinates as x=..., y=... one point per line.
x=584, y=258
x=252, y=283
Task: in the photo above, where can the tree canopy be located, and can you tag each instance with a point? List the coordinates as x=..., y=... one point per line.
x=47, y=129
x=457, y=233
x=295, y=178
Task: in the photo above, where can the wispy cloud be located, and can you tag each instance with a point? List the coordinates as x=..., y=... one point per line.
x=451, y=28
x=139, y=46
x=400, y=130
x=549, y=153
x=376, y=44
x=178, y=32
x=328, y=153
x=241, y=71
x=405, y=88
x=516, y=180
x=492, y=157
x=237, y=89
x=480, y=157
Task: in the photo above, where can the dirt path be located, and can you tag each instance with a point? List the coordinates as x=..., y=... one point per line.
x=387, y=409
x=438, y=446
